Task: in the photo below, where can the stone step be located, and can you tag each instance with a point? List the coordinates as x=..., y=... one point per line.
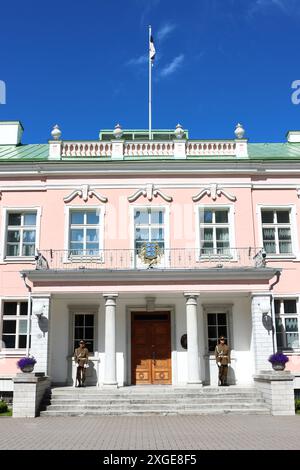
x=200, y=400
x=154, y=406
x=171, y=396
x=162, y=412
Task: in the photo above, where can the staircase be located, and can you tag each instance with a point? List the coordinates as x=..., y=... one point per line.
x=154, y=400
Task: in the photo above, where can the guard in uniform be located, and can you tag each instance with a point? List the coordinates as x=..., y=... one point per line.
x=222, y=354
x=81, y=358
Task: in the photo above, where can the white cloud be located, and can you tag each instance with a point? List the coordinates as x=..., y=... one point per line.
x=165, y=31
x=141, y=60
x=172, y=66
x=289, y=7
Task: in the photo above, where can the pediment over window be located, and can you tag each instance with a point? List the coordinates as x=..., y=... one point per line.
x=213, y=191
x=149, y=191
x=85, y=192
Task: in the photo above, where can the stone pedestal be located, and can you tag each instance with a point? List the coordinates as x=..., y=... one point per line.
x=29, y=390
x=277, y=390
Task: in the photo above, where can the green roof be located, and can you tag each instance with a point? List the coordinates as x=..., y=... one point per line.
x=280, y=151
x=24, y=152
x=260, y=151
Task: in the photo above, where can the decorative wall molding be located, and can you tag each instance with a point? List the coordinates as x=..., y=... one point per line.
x=213, y=190
x=149, y=191
x=85, y=192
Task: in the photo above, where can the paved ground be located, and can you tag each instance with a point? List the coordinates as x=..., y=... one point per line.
x=153, y=433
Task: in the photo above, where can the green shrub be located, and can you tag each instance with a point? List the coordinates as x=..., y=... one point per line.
x=3, y=406
x=297, y=404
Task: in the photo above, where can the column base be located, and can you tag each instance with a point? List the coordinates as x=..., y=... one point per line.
x=109, y=385
x=195, y=383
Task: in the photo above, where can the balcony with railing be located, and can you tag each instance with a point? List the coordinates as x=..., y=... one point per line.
x=152, y=257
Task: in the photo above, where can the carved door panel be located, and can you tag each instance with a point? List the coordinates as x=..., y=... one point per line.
x=151, y=349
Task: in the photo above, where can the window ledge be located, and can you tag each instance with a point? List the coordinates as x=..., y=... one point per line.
x=281, y=257
x=5, y=352
x=19, y=259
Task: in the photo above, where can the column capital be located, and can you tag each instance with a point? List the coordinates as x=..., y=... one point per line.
x=191, y=296
x=40, y=296
x=261, y=294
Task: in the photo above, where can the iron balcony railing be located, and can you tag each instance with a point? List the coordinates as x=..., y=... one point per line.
x=151, y=256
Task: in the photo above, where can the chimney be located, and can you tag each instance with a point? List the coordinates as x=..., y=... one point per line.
x=10, y=132
x=293, y=137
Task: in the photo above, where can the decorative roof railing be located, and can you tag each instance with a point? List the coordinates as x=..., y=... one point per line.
x=90, y=149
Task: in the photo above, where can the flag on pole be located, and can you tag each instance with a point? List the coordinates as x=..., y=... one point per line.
x=151, y=50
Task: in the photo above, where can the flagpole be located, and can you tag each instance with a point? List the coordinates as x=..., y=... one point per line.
x=150, y=89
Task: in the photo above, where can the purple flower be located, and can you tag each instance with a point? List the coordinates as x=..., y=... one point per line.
x=26, y=361
x=278, y=358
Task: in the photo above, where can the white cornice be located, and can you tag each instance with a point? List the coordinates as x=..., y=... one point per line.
x=146, y=167
x=153, y=275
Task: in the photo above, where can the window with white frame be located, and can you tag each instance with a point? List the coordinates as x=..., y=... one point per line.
x=286, y=320
x=84, y=232
x=214, y=231
x=149, y=227
x=276, y=231
x=14, y=324
x=21, y=233
x=217, y=325
x=84, y=326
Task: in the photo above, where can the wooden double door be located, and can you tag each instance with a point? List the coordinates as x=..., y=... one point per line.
x=151, y=348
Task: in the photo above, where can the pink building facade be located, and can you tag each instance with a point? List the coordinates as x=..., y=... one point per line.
x=149, y=251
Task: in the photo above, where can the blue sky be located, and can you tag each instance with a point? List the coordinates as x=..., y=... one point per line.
x=84, y=66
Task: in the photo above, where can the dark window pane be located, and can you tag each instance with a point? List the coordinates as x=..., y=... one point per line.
x=222, y=331
x=9, y=326
x=290, y=306
x=277, y=305
x=23, y=308
x=211, y=344
x=22, y=341
x=211, y=319
x=14, y=219
x=212, y=331
x=222, y=319
x=221, y=217
x=267, y=217
x=90, y=346
x=10, y=308
x=283, y=217
x=89, y=333
x=79, y=320
x=9, y=341
x=89, y=320
x=78, y=333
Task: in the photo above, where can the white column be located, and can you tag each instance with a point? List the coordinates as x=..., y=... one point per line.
x=40, y=326
x=110, y=375
x=194, y=376
x=262, y=337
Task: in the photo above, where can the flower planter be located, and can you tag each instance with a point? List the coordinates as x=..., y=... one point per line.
x=278, y=366
x=28, y=368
